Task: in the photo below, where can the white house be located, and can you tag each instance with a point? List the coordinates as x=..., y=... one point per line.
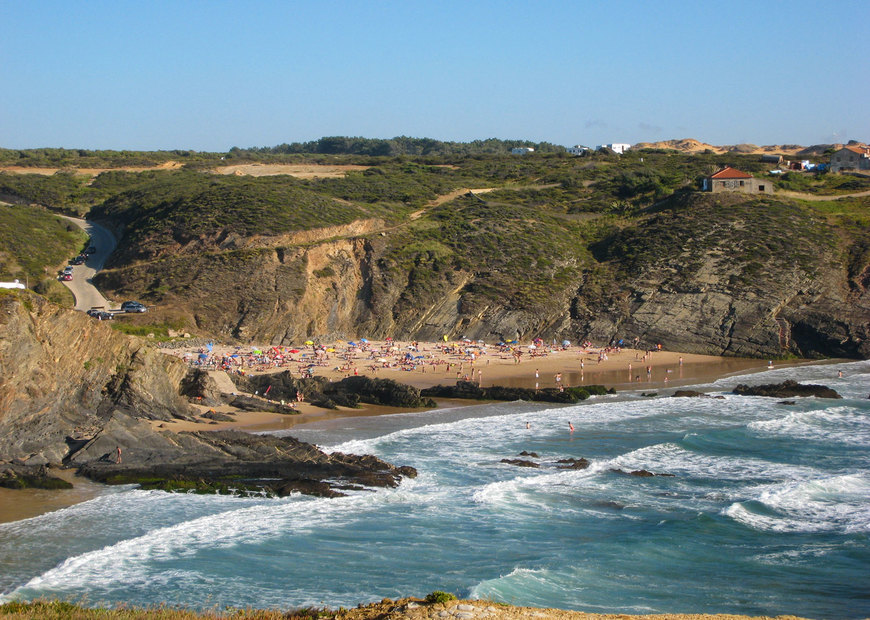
x=522, y=150
x=617, y=148
x=577, y=149
x=15, y=284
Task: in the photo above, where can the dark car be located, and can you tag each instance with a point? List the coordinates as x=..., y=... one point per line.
x=133, y=306
x=101, y=315
x=78, y=260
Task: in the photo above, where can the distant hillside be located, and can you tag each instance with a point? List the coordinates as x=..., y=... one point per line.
x=493, y=247
x=689, y=145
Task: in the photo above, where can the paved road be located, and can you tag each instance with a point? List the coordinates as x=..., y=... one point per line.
x=86, y=294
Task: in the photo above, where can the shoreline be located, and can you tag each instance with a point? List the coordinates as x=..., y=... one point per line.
x=665, y=372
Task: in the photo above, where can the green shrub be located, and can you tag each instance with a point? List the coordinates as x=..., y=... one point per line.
x=438, y=596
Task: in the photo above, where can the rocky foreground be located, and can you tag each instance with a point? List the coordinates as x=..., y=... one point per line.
x=402, y=609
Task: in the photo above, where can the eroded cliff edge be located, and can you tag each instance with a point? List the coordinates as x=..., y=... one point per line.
x=73, y=392
x=725, y=275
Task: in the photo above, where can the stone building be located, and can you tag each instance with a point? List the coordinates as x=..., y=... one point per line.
x=851, y=157
x=733, y=180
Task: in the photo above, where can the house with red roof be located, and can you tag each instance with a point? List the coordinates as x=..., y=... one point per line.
x=732, y=180
x=851, y=157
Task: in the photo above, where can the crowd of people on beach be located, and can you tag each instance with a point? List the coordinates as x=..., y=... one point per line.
x=462, y=360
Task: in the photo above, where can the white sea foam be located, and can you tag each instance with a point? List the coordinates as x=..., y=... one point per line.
x=671, y=458
x=845, y=425
x=129, y=560
x=835, y=504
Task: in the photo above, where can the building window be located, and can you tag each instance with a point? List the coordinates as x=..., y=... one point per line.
x=761, y=188
x=741, y=183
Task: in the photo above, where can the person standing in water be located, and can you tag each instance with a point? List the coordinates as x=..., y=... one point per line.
x=570, y=427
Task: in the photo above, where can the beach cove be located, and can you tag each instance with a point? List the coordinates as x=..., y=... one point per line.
x=781, y=488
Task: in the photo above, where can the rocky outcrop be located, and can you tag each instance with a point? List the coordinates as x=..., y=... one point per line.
x=76, y=393
x=786, y=389
x=348, y=392
x=62, y=376
x=472, y=391
x=234, y=462
x=520, y=463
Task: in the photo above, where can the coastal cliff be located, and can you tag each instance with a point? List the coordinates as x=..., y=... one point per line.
x=721, y=275
x=76, y=393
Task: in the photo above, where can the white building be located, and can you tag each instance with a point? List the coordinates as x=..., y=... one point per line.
x=15, y=284
x=522, y=150
x=619, y=149
x=578, y=149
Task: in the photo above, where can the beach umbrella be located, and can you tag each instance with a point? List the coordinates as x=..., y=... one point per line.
x=566, y=343
x=330, y=350
x=363, y=339
x=294, y=350
x=351, y=343
x=309, y=342
x=203, y=356
x=532, y=347
x=256, y=352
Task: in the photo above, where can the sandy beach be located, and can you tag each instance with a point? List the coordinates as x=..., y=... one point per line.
x=418, y=364
x=427, y=364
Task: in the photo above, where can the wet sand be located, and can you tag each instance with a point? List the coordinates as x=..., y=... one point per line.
x=16, y=505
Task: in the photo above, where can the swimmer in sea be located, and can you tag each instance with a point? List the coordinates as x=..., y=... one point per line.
x=571, y=427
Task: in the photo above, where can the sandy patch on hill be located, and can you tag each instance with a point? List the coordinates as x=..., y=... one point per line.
x=302, y=171
x=89, y=172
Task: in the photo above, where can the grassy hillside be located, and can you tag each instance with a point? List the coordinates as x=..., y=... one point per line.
x=33, y=244
x=546, y=239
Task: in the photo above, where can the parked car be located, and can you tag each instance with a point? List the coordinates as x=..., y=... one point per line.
x=78, y=260
x=101, y=315
x=66, y=277
x=133, y=306
x=67, y=269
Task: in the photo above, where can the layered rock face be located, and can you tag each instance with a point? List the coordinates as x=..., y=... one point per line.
x=758, y=281
x=64, y=375
x=74, y=392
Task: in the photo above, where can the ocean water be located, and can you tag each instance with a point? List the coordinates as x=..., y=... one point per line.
x=767, y=512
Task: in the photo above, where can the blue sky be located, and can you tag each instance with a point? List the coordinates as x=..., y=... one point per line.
x=210, y=75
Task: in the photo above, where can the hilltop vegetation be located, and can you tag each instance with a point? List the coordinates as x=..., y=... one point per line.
x=547, y=244
x=33, y=244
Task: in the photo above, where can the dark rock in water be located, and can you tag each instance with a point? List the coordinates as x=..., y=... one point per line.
x=786, y=402
x=471, y=391
x=609, y=504
x=519, y=463
x=525, y=453
x=572, y=463
x=688, y=394
x=786, y=389
x=640, y=473
x=234, y=462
